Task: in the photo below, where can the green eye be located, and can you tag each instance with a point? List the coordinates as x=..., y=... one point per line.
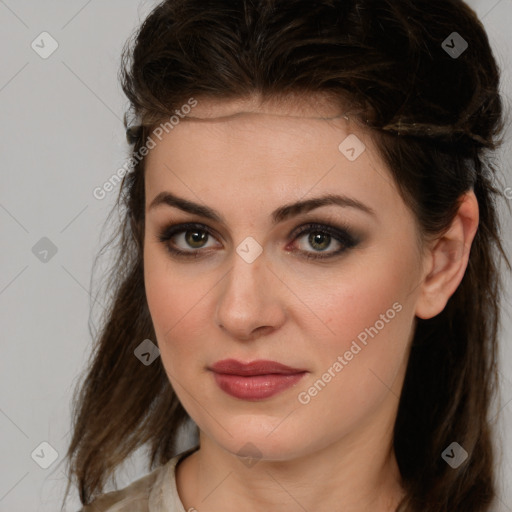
x=320, y=238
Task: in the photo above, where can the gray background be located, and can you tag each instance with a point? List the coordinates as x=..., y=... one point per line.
x=62, y=136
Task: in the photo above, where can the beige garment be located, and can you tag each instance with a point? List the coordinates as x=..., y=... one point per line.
x=155, y=492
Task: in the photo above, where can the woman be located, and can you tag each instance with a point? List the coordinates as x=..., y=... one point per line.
x=308, y=263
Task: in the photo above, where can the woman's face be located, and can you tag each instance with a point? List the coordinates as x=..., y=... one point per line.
x=329, y=289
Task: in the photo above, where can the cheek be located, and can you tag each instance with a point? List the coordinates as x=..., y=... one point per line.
x=370, y=297
x=370, y=312
x=176, y=300
x=367, y=307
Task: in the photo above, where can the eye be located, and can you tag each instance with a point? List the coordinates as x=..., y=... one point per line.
x=185, y=239
x=189, y=240
x=321, y=237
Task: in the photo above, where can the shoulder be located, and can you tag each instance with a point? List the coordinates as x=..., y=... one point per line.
x=133, y=498
x=145, y=494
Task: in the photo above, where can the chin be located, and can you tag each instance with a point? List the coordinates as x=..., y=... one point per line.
x=258, y=438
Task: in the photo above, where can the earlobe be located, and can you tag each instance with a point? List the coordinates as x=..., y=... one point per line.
x=448, y=259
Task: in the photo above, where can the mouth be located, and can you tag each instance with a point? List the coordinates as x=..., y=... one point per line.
x=255, y=380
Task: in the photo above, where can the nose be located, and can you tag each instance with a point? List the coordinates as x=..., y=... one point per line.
x=249, y=301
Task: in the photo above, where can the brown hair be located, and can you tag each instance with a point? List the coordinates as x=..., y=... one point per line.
x=436, y=119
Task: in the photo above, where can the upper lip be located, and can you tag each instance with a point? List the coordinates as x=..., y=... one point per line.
x=258, y=367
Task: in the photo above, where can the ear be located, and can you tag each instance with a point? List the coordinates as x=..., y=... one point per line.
x=447, y=259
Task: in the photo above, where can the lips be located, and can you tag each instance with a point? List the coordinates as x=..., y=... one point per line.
x=259, y=367
x=255, y=380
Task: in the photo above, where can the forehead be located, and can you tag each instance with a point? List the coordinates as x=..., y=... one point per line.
x=272, y=152
x=280, y=128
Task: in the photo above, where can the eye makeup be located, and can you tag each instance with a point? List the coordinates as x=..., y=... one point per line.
x=192, y=232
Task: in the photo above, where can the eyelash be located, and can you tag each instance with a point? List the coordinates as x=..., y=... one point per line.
x=342, y=235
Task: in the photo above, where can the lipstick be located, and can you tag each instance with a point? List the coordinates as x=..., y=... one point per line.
x=255, y=380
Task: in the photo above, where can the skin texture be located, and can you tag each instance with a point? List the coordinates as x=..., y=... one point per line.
x=244, y=159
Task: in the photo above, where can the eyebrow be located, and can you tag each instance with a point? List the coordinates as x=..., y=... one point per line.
x=279, y=215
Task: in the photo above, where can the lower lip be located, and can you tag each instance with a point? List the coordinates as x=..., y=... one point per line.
x=256, y=387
